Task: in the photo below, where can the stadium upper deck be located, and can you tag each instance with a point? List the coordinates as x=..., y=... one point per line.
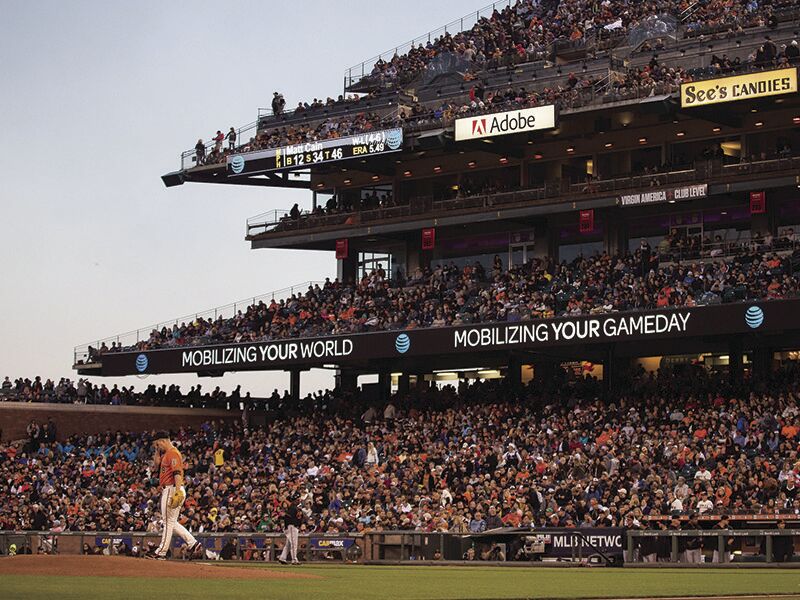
x=668, y=126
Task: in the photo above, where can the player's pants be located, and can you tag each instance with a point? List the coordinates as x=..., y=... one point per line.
x=693, y=556
x=171, y=525
x=290, y=548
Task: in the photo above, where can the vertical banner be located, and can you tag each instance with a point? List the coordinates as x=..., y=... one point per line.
x=758, y=203
x=428, y=238
x=341, y=249
x=587, y=221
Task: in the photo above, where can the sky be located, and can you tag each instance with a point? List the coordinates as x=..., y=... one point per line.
x=97, y=101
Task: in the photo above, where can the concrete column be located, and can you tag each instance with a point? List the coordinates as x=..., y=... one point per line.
x=347, y=269
x=403, y=384
x=294, y=385
x=762, y=363
x=515, y=372
x=735, y=361
x=384, y=387
x=347, y=380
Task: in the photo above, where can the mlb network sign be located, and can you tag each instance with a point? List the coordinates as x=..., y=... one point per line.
x=517, y=121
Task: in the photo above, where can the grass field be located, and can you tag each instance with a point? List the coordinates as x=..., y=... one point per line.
x=418, y=583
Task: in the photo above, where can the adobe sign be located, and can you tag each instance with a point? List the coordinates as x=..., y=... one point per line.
x=506, y=123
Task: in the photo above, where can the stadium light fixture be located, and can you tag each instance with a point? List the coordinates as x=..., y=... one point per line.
x=681, y=133
x=570, y=150
x=716, y=129
x=376, y=177
x=406, y=173
x=796, y=120
x=609, y=145
x=754, y=110
x=320, y=185
x=642, y=140
x=759, y=123
x=472, y=164
x=503, y=160
x=538, y=156
x=348, y=181
x=437, y=169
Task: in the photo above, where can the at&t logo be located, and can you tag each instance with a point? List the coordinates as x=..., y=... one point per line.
x=754, y=317
x=142, y=363
x=237, y=164
x=394, y=139
x=402, y=343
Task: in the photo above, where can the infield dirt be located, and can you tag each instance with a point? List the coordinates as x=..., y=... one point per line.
x=121, y=566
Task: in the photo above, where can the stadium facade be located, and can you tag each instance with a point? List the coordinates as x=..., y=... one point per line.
x=693, y=166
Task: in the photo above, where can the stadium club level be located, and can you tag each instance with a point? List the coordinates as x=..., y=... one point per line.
x=756, y=319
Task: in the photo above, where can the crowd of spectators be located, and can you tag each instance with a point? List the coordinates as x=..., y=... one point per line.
x=466, y=459
x=448, y=295
x=83, y=391
x=521, y=32
x=526, y=30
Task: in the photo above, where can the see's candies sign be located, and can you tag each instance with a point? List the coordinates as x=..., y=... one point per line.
x=516, y=121
x=738, y=87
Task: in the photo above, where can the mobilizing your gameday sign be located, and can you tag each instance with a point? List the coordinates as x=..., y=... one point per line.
x=738, y=87
x=506, y=123
x=364, y=145
x=395, y=346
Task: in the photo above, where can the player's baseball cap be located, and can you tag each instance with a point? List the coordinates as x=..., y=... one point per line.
x=161, y=435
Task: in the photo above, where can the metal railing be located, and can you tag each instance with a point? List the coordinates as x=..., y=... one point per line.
x=640, y=547
x=718, y=546
x=84, y=352
x=265, y=546
x=190, y=159
x=357, y=72
x=545, y=192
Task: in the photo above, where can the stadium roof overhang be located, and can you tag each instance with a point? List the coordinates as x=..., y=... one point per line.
x=773, y=325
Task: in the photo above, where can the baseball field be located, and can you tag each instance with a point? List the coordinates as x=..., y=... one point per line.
x=90, y=577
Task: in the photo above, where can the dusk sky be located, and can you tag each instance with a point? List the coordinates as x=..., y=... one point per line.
x=98, y=100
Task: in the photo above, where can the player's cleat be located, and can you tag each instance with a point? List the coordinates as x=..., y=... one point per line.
x=196, y=551
x=282, y=561
x=295, y=563
x=150, y=555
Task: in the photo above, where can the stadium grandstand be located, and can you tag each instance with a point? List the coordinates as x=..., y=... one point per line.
x=567, y=240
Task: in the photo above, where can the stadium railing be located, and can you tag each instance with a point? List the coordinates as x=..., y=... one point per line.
x=735, y=547
x=720, y=546
x=81, y=354
x=547, y=192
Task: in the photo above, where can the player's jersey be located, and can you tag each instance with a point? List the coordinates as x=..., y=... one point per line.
x=171, y=463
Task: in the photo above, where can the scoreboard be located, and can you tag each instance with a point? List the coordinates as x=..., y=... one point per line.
x=308, y=154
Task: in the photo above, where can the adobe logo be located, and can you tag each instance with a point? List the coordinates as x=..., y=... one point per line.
x=479, y=127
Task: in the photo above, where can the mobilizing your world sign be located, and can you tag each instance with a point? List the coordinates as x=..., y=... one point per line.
x=394, y=347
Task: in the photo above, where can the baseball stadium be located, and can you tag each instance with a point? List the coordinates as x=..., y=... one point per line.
x=561, y=344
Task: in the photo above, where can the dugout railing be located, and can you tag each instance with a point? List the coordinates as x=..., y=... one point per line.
x=712, y=546
x=600, y=546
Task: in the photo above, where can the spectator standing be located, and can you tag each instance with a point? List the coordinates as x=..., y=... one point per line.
x=218, y=139
x=200, y=152
x=278, y=103
x=231, y=139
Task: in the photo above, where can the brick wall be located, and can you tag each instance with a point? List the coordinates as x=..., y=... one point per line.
x=71, y=419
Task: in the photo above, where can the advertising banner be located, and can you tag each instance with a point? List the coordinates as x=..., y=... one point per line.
x=298, y=156
x=569, y=542
x=687, y=192
x=506, y=123
x=679, y=323
x=331, y=543
x=739, y=87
